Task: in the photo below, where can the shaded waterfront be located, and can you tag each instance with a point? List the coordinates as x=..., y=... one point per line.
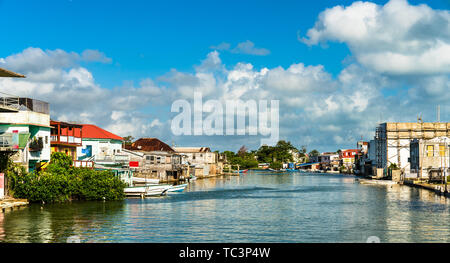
x=258, y=207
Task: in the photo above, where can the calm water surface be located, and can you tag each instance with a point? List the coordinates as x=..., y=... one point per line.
x=258, y=207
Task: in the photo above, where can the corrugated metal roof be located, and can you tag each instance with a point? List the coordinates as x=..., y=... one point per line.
x=149, y=145
x=192, y=149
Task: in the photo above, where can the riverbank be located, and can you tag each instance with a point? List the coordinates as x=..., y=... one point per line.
x=439, y=189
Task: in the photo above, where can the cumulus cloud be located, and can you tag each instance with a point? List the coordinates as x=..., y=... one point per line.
x=56, y=76
x=35, y=60
x=396, y=38
x=316, y=109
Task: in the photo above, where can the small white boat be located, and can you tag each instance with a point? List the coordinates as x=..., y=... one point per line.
x=193, y=178
x=145, y=180
x=177, y=188
x=148, y=190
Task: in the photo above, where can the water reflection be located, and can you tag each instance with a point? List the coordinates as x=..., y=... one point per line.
x=258, y=207
x=56, y=222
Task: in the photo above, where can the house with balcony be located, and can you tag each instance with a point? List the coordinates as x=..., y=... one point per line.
x=329, y=161
x=152, y=158
x=25, y=130
x=65, y=137
x=203, y=159
x=347, y=157
x=100, y=146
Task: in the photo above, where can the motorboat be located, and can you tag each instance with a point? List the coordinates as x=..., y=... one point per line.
x=147, y=190
x=177, y=188
x=145, y=180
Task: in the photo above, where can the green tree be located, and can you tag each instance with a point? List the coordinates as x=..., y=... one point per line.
x=60, y=181
x=128, y=140
x=314, y=153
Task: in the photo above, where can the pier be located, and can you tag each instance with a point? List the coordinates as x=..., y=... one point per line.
x=11, y=204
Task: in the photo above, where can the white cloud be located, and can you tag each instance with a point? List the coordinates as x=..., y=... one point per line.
x=246, y=47
x=90, y=55
x=397, y=38
x=249, y=48
x=316, y=109
x=35, y=60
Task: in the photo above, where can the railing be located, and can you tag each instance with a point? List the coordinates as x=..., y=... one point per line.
x=10, y=102
x=6, y=140
x=18, y=103
x=66, y=139
x=113, y=158
x=84, y=164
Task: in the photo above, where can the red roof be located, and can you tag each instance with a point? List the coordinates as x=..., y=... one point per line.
x=95, y=132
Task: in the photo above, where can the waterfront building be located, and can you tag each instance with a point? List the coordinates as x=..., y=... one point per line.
x=65, y=137
x=25, y=130
x=430, y=158
x=314, y=159
x=100, y=146
x=363, y=163
x=296, y=156
x=393, y=140
x=329, y=161
x=152, y=158
x=347, y=157
x=205, y=161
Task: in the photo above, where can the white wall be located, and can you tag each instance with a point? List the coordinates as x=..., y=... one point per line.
x=25, y=155
x=399, y=147
x=25, y=117
x=100, y=149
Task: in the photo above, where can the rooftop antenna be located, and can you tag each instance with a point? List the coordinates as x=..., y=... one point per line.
x=439, y=113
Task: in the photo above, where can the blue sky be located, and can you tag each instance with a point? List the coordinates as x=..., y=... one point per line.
x=147, y=39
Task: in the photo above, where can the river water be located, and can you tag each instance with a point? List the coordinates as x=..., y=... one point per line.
x=257, y=207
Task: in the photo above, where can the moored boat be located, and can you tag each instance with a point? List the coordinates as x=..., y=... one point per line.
x=148, y=190
x=145, y=180
x=177, y=188
x=277, y=171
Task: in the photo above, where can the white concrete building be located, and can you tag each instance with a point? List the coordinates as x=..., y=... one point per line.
x=100, y=145
x=392, y=142
x=25, y=130
x=430, y=158
x=201, y=157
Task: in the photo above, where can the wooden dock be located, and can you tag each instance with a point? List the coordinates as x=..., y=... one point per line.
x=8, y=204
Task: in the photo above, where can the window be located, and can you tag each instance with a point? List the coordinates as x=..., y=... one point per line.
x=441, y=150
x=430, y=150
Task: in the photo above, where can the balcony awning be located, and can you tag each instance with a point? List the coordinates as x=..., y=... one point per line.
x=7, y=73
